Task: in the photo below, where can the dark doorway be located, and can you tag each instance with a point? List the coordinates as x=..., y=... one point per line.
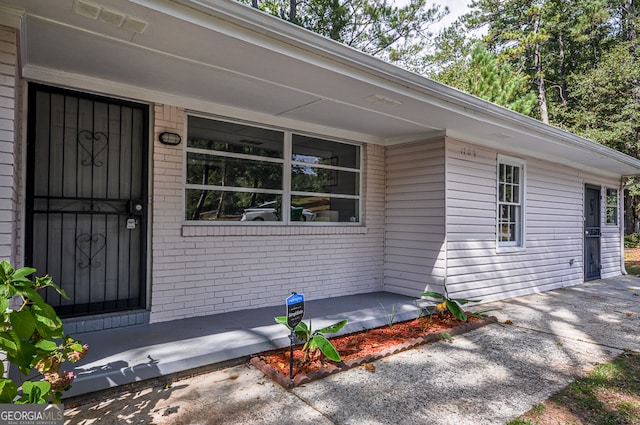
x=592, y=232
x=86, y=221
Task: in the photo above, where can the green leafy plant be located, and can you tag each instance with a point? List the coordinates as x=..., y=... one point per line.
x=451, y=304
x=31, y=337
x=445, y=336
x=316, y=340
x=632, y=240
x=482, y=314
x=389, y=316
x=425, y=316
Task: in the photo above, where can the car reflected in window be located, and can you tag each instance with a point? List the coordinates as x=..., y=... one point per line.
x=267, y=212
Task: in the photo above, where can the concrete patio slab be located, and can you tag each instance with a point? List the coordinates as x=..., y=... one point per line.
x=126, y=355
x=488, y=376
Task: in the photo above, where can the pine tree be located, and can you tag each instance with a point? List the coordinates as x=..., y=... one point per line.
x=396, y=34
x=481, y=75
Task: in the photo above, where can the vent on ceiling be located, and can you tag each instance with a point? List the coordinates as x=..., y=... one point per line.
x=109, y=16
x=377, y=99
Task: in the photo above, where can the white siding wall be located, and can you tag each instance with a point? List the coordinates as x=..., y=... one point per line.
x=200, y=270
x=415, y=209
x=553, y=256
x=9, y=169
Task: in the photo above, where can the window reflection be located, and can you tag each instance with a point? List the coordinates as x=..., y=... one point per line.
x=234, y=138
x=325, y=152
x=236, y=172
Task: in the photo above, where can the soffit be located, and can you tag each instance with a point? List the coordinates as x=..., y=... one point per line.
x=227, y=54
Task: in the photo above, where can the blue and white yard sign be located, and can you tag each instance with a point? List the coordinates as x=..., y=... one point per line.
x=295, y=309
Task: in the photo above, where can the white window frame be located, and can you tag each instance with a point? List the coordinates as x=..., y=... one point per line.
x=519, y=242
x=286, y=191
x=616, y=207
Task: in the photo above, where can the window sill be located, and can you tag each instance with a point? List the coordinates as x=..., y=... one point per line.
x=510, y=249
x=189, y=230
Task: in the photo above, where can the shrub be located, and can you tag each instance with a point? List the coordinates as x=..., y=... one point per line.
x=32, y=337
x=632, y=240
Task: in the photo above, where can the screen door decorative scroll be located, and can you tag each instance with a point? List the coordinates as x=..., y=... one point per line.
x=86, y=221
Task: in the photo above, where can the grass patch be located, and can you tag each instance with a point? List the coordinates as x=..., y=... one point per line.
x=633, y=268
x=609, y=395
x=632, y=261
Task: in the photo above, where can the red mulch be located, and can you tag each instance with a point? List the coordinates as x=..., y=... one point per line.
x=362, y=347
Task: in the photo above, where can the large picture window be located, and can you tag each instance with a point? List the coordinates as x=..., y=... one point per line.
x=245, y=174
x=511, y=178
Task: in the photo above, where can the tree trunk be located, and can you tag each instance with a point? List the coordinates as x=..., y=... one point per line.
x=630, y=27
x=293, y=7
x=542, y=94
x=629, y=213
x=537, y=62
x=563, y=72
x=203, y=195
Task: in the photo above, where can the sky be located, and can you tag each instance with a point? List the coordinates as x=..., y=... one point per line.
x=456, y=8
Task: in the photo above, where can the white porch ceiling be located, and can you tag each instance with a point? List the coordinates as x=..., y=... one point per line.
x=226, y=55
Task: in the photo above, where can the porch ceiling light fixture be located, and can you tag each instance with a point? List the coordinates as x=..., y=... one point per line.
x=169, y=138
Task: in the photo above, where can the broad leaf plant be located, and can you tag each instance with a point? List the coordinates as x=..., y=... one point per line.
x=316, y=340
x=453, y=305
x=32, y=339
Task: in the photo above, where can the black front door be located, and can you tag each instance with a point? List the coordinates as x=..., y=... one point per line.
x=591, y=232
x=86, y=200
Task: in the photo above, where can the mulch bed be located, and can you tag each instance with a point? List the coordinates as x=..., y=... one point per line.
x=361, y=348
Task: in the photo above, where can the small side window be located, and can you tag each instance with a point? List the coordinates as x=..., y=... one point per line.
x=511, y=184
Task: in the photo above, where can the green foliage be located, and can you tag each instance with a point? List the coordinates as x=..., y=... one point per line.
x=31, y=336
x=453, y=305
x=482, y=314
x=581, y=58
x=608, y=395
x=378, y=27
x=316, y=340
x=607, y=100
x=482, y=76
x=632, y=240
x=389, y=316
x=538, y=408
x=445, y=336
x=521, y=422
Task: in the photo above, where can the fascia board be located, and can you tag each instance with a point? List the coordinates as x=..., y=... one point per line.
x=398, y=80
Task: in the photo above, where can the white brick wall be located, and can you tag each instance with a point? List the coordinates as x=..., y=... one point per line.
x=200, y=270
x=8, y=136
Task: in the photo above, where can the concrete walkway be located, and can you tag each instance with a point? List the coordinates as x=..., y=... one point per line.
x=488, y=376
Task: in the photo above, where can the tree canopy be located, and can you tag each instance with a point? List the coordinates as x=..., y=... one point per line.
x=393, y=33
x=573, y=64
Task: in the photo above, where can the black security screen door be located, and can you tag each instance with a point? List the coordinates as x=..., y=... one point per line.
x=86, y=199
x=592, y=232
